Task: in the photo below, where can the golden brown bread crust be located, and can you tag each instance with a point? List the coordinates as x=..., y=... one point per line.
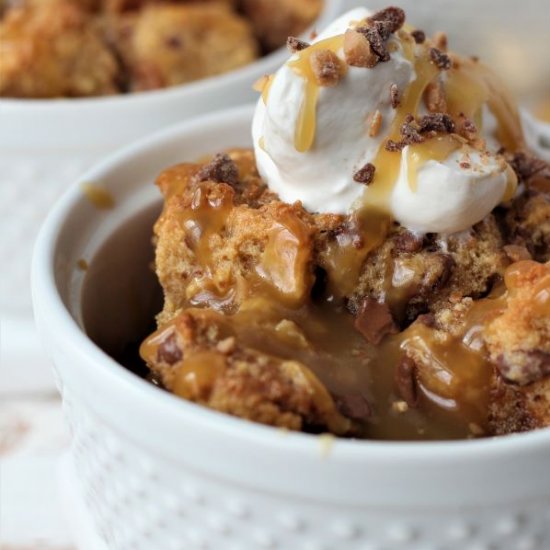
x=239, y=380
x=518, y=339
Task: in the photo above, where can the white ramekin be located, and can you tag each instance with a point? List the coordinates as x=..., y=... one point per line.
x=161, y=473
x=46, y=144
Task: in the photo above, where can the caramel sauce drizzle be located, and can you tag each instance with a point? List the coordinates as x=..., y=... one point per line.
x=306, y=126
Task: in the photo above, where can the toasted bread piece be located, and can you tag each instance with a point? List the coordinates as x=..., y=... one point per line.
x=168, y=44
x=54, y=49
x=199, y=357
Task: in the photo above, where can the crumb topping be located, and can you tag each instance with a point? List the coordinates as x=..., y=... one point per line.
x=366, y=174
x=395, y=100
x=440, y=59
x=327, y=67
x=220, y=169
x=294, y=44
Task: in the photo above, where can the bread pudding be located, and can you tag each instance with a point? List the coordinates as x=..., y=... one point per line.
x=83, y=48
x=378, y=266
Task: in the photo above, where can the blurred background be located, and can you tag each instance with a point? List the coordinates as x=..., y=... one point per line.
x=513, y=36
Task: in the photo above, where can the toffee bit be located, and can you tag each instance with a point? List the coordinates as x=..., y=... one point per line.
x=366, y=174
x=374, y=321
x=357, y=50
x=436, y=122
x=294, y=44
x=220, y=169
x=375, y=123
x=394, y=96
x=326, y=67
x=394, y=146
x=377, y=35
x=419, y=36
x=405, y=380
x=466, y=128
x=440, y=59
x=410, y=131
x=434, y=98
x=393, y=16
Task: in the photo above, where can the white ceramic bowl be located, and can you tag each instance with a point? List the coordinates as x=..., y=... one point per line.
x=46, y=144
x=158, y=472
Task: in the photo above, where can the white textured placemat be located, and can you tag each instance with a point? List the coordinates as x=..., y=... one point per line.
x=32, y=440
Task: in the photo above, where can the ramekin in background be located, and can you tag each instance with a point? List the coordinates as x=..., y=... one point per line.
x=46, y=144
x=157, y=472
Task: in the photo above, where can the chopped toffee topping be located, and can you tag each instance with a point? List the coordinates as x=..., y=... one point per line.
x=220, y=169
x=434, y=97
x=394, y=146
x=419, y=36
x=294, y=44
x=357, y=50
x=440, y=59
x=375, y=123
x=466, y=128
x=394, y=96
x=410, y=131
x=366, y=174
x=392, y=16
x=436, y=122
x=326, y=67
x=374, y=321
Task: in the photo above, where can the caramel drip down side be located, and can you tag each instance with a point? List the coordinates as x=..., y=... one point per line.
x=306, y=126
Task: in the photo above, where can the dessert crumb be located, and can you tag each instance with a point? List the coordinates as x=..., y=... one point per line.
x=294, y=44
x=358, y=51
x=419, y=36
x=365, y=175
x=434, y=98
x=440, y=59
x=394, y=96
x=326, y=67
x=375, y=123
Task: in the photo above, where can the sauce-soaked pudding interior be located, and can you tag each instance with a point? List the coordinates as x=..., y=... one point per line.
x=252, y=324
x=354, y=323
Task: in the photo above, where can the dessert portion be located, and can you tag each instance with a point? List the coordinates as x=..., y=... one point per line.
x=379, y=265
x=80, y=48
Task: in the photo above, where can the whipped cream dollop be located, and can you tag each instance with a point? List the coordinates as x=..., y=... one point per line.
x=444, y=191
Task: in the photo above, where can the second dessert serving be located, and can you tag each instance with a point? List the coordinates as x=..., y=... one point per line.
x=377, y=267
